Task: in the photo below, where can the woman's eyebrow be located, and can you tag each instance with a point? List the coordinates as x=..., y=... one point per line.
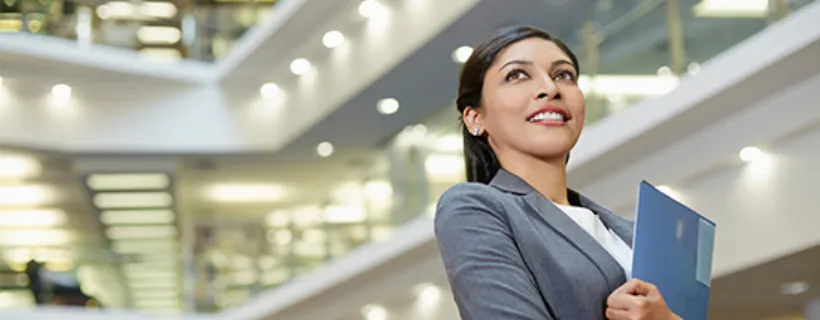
x=555, y=63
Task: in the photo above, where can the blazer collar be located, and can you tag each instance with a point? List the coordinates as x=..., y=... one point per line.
x=511, y=183
x=566, y=227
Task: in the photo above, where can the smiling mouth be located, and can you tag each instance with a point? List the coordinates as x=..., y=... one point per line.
x=549, y=115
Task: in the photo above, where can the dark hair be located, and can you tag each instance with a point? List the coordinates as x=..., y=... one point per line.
x=481, y=161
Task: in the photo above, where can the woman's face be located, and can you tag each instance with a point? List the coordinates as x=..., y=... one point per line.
x=531, y=102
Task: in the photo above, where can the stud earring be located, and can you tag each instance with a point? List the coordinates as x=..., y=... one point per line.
x=476, y=131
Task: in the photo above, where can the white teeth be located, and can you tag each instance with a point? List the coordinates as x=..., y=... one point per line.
x=547, y=116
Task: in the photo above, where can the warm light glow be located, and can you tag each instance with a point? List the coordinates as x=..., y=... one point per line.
x=61, y=92
x=161, y=54
x=140, y=232
x=159, y=34
x=247, y=193
x=300, y=66
x=450, y=143
x=269, y=91
x=794, y=288
x=25, y=195
x=32, y=218
x=324, y=149
x=123, y=200
x=665, y=189
x=128, y=181
x=13, y=167
x=444, y=167
x=628, y=85
x=462, y=54
x=388, y=106
x=732, y=8
x=378, y=190
x=374, y=312
x=344, y=214
x=333, y=39
x=428, y=294
x=35, y=237
x=751, y=154
x=372, y=9
x=279, y=218
x=160, y=216
x=144, y=246
x=155, y=9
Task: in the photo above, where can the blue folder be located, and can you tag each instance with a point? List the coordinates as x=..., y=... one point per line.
x=673, y=248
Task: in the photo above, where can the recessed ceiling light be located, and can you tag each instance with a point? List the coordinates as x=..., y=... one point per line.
x=388, y=106
x=140, y=232
x=300, y=66
x=149, y=216
x=461, y=54
x=371, y=9
x=693, y=68
x=269, y=91
x=18, y=167
x=324, y=149
x=428, y=294
x=333, y=39
x=32, y=218
x=61, y=91
x=25, y=195
x=123, y=200
x=128, y=181
x=374, y=312
x=794, y=288
x=750, y=154
x=247, y=193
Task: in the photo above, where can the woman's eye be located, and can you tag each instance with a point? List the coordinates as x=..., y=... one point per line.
x=565, y=76
x=516, y=75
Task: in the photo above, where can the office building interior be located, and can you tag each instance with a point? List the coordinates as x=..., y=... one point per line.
x=282, y=159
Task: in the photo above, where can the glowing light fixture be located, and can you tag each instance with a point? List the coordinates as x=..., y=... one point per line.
x=61, y=91
x=300, y=66
x=333, y=39
x=140, y=232
x=35, y=237
x=374, y=312
x=247, y=193
x=128, y=181
x=428, y=294
x=462, y=54
x=388, y=106
x=372, y=9
x=160, y=216
x=269, y=91
x=123, y=200
x=25, y=195
x=159, y=34
x=324, y=149
x=18, y=167
x=794, y=288
x=32, y=218
x=731, y=8
x=750, y=154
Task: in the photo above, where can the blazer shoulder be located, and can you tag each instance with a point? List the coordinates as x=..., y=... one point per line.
x=471, y=198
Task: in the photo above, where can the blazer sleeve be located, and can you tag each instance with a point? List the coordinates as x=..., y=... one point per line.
x=485, y=269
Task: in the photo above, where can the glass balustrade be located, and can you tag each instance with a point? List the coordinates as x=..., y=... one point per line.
x=159, y=30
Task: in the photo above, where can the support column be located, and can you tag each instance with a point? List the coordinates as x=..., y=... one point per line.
x=677, y=51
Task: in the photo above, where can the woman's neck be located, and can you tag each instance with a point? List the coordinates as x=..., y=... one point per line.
x=548, y=177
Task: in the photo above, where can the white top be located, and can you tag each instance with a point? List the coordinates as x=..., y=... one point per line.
x=608, y=239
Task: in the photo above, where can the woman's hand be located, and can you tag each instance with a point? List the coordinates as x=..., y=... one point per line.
x=638, y=300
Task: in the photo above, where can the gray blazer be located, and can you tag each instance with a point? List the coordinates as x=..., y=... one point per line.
x=512, y=254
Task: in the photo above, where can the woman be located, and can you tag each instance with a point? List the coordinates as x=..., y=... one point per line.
x=516, y=243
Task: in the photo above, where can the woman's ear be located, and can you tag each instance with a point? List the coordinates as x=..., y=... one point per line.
x=473, y=120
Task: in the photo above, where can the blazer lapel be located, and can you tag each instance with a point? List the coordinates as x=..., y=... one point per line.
x=563, y=225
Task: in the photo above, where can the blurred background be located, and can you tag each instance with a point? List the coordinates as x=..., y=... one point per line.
x=241, y=159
